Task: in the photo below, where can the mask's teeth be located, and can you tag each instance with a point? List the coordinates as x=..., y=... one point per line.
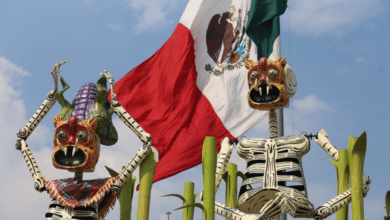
x=75, y=148
x=256, y=87
x=61, y=147
x=260, y=91
x=267, y=90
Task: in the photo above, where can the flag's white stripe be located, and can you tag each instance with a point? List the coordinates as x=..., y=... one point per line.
x=227, y=92
x=275, y=50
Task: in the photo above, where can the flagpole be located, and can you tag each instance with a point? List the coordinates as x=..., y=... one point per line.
x=279, y=112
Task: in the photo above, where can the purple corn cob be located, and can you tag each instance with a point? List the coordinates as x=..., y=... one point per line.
x=83, y=100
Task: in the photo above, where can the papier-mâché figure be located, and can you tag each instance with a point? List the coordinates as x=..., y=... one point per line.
x=273, y=162
x=80, y=129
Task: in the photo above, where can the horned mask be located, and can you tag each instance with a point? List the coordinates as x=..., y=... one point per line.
x=82, y=126
x=271, y=84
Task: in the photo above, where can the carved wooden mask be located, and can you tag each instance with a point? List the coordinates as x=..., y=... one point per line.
x=76, y=144
x=271, y=84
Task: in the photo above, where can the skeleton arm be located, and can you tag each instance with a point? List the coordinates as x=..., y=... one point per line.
x=343, y=199
x=124, y=115
x=137, y=129
x=223, y=159
x=340, y=200
x=234, y=214
x=25, y=132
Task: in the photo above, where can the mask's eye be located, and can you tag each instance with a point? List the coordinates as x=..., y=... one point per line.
x=82, y=136
x=253, y=77
x=272, y=74
x=62, y=135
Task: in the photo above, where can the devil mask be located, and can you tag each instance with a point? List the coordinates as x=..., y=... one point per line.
x=82, y=126
x=271, y=84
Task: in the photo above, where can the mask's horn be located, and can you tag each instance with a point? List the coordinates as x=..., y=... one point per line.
x=66, y=111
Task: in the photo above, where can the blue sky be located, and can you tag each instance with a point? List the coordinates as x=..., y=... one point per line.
x=337, y=48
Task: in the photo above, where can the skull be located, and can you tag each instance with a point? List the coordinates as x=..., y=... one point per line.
x=271, y=84
x=76, y=144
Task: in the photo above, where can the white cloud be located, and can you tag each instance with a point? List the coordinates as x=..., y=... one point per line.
x=334, y=17
x=115, y=27
x=311, y=104
x=17, y=184
x=309, y=114
x=152, y=15
x=342, y=70
x=359, y=60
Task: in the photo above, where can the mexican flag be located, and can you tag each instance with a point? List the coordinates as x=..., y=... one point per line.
x=196, y=85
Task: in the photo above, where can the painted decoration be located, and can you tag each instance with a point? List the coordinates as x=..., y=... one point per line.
x=80, y=129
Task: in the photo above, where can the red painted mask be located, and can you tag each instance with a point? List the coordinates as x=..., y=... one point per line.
x=76, y=144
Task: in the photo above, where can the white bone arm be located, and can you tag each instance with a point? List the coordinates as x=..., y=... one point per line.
x=25, y=132
x=233, y=214
x=32, y=165
x=50, y=100
x=124, y=115
x=340, y=200
x=222, y=161
x=126, y=172
x=130, y=122
x=343, y=199
x=323, y=141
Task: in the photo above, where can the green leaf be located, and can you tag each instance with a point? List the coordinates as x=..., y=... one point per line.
x=176, y=195
x=190, y=206
x=242, y=175
x=360, y=146
x=225, y=176
x=111, y=171
x=196, y=195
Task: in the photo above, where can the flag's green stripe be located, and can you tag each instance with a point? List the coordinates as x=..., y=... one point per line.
x=263, y=25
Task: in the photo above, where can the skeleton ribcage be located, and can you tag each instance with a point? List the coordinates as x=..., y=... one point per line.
x=273, y=165
x=57, y=211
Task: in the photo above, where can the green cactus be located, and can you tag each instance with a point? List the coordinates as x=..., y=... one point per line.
x=356, y=154
x=188, y=199
x=126, y=196
x=231, y=186
x=209, y=164
x=387, y=202
x=146, y=175
x=342, y=170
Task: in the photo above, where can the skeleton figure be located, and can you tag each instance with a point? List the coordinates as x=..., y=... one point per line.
x=80, y=129
x=274, y=161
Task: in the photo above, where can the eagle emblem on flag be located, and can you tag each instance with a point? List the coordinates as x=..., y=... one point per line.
x=226, y=41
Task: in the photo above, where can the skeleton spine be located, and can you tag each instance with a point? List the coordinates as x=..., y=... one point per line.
x=273, y=124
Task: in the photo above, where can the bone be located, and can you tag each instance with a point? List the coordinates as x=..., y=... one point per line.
x=323, y=141
x=61, y=147
x=55, y=72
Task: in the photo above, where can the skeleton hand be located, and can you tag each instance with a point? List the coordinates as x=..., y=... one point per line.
x=292, y=203
x=55, y=72
x=111, y=80
x=273, y=208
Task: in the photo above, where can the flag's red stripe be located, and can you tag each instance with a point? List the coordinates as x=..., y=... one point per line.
x=161, y=94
